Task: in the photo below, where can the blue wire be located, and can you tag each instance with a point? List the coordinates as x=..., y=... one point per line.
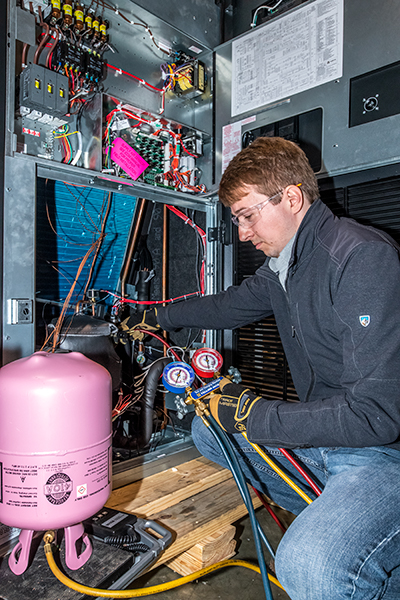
x=234, y=466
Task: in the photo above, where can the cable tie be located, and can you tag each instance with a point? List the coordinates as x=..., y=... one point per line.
x=116, y=11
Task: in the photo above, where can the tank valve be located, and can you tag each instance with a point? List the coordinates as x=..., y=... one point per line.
x=48, y=539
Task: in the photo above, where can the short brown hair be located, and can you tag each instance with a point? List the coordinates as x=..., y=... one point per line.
x=269, y=164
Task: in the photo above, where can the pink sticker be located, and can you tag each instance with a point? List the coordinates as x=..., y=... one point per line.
x=127, y=158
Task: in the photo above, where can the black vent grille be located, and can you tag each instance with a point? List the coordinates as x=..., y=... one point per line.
x=335, y=200
x=377, y=204
x=262, y=362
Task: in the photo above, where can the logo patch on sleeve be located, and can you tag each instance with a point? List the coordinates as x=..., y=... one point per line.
x=365, y=320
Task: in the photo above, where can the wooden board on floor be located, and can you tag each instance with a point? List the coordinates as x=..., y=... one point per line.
x=157, y=492
x=213, y=548
x=193, y=501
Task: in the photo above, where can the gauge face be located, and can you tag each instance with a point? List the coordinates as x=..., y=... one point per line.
x=206, y=361
x=177, y=376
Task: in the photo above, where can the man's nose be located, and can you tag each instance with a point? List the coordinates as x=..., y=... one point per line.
x=245, y=234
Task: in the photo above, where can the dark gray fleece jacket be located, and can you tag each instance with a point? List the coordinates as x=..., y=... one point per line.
x=339, y=321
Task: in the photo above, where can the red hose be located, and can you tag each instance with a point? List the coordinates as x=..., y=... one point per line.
x=269, y=509
x=296, y=465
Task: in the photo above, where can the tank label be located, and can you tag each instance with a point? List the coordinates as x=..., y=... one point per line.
x=58, y=488
x=81, y=490
x=17, y=485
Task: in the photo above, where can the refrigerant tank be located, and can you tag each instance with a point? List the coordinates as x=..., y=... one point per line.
x=55, y=440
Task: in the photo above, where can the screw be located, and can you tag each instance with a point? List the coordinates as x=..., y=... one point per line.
x=9, y=189
x=119, y=186
x=91, y=181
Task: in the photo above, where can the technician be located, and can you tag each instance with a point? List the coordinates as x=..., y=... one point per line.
x=333, y=287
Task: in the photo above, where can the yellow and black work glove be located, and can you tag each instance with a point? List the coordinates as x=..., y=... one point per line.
x=232, y=408
x=136, y=330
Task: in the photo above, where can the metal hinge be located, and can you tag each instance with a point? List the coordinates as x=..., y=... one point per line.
x=219, y=234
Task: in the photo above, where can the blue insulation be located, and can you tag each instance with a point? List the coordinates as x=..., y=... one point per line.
x=76, y=213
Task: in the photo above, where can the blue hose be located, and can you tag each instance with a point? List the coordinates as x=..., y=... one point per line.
x=229, y=454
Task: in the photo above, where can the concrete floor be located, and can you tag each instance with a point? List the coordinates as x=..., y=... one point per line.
x=227, y=584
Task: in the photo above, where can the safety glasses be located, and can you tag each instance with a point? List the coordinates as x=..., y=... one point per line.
x=249, y=216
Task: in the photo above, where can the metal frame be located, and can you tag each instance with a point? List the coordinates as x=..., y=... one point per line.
x=22, y=171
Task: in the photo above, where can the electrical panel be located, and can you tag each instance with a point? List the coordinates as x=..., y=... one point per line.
x=69, y=110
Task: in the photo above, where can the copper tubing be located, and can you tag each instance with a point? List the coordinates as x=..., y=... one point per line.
x=100, y=241
x=54, y=44
x=132, y=244
x=24, y=55
x=44, y=39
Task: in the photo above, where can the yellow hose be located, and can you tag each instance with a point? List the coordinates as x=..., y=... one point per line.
x=155, y=589
x=279, y=471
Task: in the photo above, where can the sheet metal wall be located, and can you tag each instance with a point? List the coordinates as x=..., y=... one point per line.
x=360, y=165
x=370, y=42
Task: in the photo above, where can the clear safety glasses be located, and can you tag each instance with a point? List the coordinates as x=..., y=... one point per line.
x=249, y=216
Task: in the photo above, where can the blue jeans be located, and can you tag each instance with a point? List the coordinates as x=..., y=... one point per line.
x=346, y=544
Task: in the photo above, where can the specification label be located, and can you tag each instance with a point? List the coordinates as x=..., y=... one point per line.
x=288, y=55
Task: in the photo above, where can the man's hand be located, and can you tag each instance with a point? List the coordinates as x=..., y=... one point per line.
x=148, y=323
x=232, y=408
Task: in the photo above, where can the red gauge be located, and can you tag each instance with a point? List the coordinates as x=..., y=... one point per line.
x=206, y=362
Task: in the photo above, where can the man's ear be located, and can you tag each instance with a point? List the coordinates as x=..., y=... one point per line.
x=295, y=197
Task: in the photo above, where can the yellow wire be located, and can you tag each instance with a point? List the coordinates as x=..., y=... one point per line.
x=279, y=471
x=65, y=134
x=155, y=589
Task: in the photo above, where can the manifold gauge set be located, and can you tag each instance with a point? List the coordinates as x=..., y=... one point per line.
x=178, y=375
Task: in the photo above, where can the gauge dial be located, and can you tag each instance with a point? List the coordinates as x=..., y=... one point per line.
x=206, y=361
x=177, y=376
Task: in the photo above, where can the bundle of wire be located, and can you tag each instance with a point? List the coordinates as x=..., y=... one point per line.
x=173, y=74
x=62, y=134
x=175, y=177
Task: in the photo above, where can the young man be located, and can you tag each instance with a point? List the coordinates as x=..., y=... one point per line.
x=334, y=288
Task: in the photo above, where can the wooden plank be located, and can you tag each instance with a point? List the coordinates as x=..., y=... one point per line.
x=141, y=467
x=162, y=490
x=214, y=548
x=195, y=518
x=208, y=547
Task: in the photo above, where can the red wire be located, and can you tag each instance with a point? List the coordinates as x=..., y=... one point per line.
x=269, y=509
x=301, y=471
x=149, y=302
x=161, y=339
x=134, y=77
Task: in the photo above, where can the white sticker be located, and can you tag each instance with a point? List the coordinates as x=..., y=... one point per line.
x=81, y=490
x=195, y=49
x=120, y=124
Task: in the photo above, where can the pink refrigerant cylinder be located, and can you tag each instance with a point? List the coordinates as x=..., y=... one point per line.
x=55, y=445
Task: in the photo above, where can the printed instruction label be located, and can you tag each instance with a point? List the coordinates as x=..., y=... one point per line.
x=288, y=55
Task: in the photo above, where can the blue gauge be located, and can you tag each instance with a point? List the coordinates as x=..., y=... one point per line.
x=177, y=376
